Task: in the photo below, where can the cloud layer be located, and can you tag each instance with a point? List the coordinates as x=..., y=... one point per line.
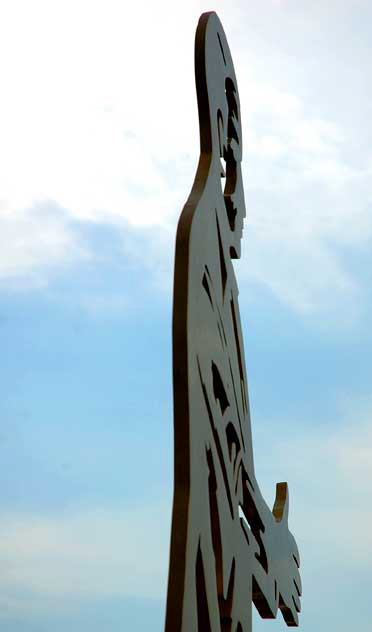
x=84, y=553
x=104, y=125
x=90, y=552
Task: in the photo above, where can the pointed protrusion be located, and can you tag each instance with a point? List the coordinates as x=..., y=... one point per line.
x=281, y=504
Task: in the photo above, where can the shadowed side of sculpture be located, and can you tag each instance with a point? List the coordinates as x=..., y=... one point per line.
x=227, y=547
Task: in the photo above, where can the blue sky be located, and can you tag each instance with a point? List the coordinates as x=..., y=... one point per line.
x=99, y=147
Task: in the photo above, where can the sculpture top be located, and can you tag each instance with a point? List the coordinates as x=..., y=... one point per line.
x=219, y=119
x=227, y=547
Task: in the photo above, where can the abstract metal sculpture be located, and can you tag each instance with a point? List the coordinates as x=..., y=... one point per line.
x=227, y=547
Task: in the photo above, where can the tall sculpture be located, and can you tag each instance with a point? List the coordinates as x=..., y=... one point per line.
x=227, y=547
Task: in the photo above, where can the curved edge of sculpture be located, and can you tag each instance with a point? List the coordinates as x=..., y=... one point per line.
x=227, y=547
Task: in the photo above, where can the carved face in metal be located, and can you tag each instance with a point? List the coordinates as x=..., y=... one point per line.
x=219, y=111
x=229, y=131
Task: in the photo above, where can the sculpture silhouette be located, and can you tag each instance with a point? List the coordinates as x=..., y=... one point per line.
x=227, y=547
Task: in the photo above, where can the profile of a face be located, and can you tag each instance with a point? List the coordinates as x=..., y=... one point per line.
x=229, y=131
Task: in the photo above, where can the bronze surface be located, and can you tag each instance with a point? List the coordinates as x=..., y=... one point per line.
x=227, y=547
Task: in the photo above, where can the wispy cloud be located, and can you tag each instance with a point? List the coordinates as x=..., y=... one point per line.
x=306, y=202
x=84, y=553
x=88, y=551
x=111, y=135
x=34, y=239
x=329, y=471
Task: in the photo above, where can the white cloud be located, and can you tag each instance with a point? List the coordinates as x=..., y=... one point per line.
x=101, y=118
x=86, y=121
x=328, y=468
x=301, y=273
x=304, y=201
x=84, y=553
x=33, y=238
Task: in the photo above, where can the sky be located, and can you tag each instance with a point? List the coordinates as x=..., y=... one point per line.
x=99, y=146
